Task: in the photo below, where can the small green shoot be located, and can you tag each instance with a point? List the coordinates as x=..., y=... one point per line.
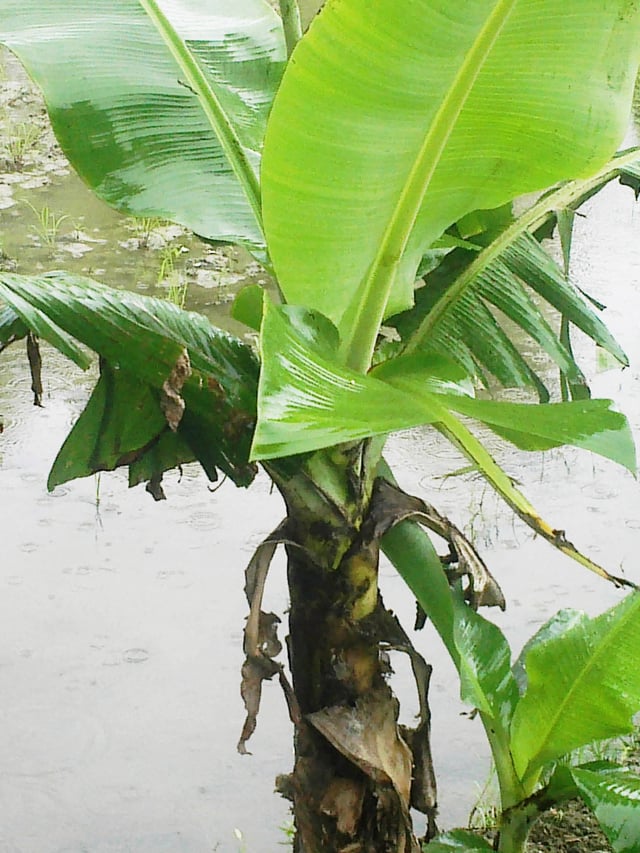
x=143, y=228
x=48, y=224
x=21, y=138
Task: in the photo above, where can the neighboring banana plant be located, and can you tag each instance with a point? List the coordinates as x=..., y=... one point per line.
x=373, y=176
x=576, y=682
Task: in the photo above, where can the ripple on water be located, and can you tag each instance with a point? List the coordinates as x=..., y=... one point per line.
x=600, y=491
x=204, y=520
x=135, y=655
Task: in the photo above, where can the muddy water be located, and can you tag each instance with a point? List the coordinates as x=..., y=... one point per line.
x=121, y=619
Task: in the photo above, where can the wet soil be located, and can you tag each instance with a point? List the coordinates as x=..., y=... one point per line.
x=570, y=829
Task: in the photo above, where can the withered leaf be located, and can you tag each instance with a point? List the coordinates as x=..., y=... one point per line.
x=171, y=401
x=390, y=506
x=35, y=366
x=367, y=734
x=343, y=801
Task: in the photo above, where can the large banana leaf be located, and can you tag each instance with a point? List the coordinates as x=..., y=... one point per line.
x=583, y=685
x=140, y=340
x=160, y=105
x=396, y=119
x=307, y=401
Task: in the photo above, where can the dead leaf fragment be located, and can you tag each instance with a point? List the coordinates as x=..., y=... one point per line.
x=35, y=366
x=343, y=801
x=391, y=506
x=171, y=401
x=367, y=734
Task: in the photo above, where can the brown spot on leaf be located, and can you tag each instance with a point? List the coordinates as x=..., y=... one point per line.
x=214, y=386
x=171, y=401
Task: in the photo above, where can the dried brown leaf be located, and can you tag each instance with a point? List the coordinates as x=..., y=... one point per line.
x=343, y=801
x=367, y=734
x=391, y=506
x=35, y=366
x=171, y=401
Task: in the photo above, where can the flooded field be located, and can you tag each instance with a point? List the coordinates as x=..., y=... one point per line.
x=121, y=639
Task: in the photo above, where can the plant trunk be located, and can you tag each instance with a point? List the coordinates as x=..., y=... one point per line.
x=351, y=785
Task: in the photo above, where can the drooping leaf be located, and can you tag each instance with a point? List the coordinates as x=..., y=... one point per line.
x=146, y=337
x=121, y=418
x=160, y=105
x=41, y=325
x=526, y=258
x=306, y=401
x=12, y=328
x=459, y=284
x=614, y=798
x=583, y=685
x=468, y=115
x=589, y=424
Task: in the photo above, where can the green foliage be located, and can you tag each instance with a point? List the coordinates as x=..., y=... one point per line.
x=394, y=146
x=582, y=685
x=614, y=797
x=149, y=337
x=161, y=116
x=468, y=125
x=579, y=683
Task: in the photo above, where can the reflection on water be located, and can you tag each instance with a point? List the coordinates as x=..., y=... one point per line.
x=119, y=666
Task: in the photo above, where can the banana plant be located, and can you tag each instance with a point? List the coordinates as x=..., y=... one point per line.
x=576, y=682
x=371, y=166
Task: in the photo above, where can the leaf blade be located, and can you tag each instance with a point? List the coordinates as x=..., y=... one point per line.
x=144, y=138
x=583, y=685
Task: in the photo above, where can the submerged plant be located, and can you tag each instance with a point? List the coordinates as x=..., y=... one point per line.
x=373, y=176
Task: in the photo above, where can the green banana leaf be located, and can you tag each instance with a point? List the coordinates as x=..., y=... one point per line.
x=349, y=211
x=583, y=685
x=307, y=401
x=486, y=679
x=140, y=340
x=11, y=327
x=503, y=273
x=122, y=424
x=559, y=623
x=614, y=798
x=160, y=106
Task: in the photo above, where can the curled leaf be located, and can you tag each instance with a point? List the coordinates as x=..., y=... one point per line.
x=396, y=506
